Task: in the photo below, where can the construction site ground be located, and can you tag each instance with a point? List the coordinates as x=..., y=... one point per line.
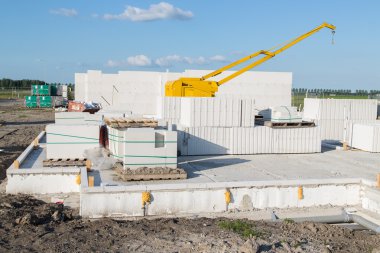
x=30, y=224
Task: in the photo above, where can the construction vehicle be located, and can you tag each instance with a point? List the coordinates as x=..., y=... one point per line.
x=202, y=87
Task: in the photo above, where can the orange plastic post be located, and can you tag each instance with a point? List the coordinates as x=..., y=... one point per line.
x=91, y=181
x=300, y=192
x=88, y=165
x=35, y=143
x=16, y=164
x=78, y=179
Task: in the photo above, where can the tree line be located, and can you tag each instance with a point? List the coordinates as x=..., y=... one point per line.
x=6, y=83
x=335, y=91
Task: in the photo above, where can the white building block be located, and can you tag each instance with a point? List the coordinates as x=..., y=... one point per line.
x=70, y=118
x=147, y=147
x=335, y=115
x=217, y=112
x=265, y=88
x=138, y=91
x=366, y=137
x=70, y=141
x=143, y=147
x=281, y=114
x=248, y=140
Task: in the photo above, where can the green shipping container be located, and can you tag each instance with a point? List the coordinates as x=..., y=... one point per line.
x=46, y=101
x=53, y=90
x=35, y=89
x=31, y=101
x=44, y=90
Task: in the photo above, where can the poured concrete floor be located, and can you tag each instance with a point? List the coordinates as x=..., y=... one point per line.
x=331, y=164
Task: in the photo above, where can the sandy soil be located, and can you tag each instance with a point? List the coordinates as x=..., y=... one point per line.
x=18, y=127
x=31, y=225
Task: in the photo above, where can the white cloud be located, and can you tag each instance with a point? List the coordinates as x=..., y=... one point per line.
x=165, y=61
x=112, y=64
x=158, y=11
x=64, y=12
x=139, y=61
x=168, y=60
x=219, y=58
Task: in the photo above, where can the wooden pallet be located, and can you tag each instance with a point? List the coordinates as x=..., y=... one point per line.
x=150, y=174
x=64, y=162
x=284, y=124
x=125, y=122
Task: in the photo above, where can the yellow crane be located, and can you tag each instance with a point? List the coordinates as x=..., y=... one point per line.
x=202, y=87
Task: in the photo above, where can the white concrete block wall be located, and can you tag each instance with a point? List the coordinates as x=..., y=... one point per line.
x=116, y=142
x=217, y=112
x=42, y=183
x=204, y=140
x=296, y=140
x=143, y=147
x=147, y=147
x=123, y=202
x=138, y=91
x=281, y=114
x=70, y=118
x=224, y=112
x=169, y=108
x=334, y=115
x=366, y=137
x=249, y=111
x=248, y=140
x=70, y=141
x=265, y=88
x=93, y=118
x=340, y=109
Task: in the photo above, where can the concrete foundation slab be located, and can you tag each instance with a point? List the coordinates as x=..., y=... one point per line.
x=33, y=178
x=331, y=178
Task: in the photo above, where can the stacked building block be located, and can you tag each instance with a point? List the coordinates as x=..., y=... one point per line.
x=248, y=140
x=44, y=96
x=366, y=137
x=70, y=141
x=144, y=147
x=281, y=114
x=335, y=115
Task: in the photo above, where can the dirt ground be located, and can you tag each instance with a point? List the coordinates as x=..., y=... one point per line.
x=18, y=127
x=31, y=225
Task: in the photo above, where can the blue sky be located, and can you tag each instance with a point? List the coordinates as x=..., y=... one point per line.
x=52, y=40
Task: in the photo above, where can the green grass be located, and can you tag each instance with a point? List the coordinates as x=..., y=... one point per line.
x=7, y=94
x=288, y=221
x=297, y=99
x=240, y=227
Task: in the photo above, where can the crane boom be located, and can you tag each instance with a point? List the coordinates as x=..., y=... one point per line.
x=201, y=87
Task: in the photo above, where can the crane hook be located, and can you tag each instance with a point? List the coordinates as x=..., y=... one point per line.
x=332, y=39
